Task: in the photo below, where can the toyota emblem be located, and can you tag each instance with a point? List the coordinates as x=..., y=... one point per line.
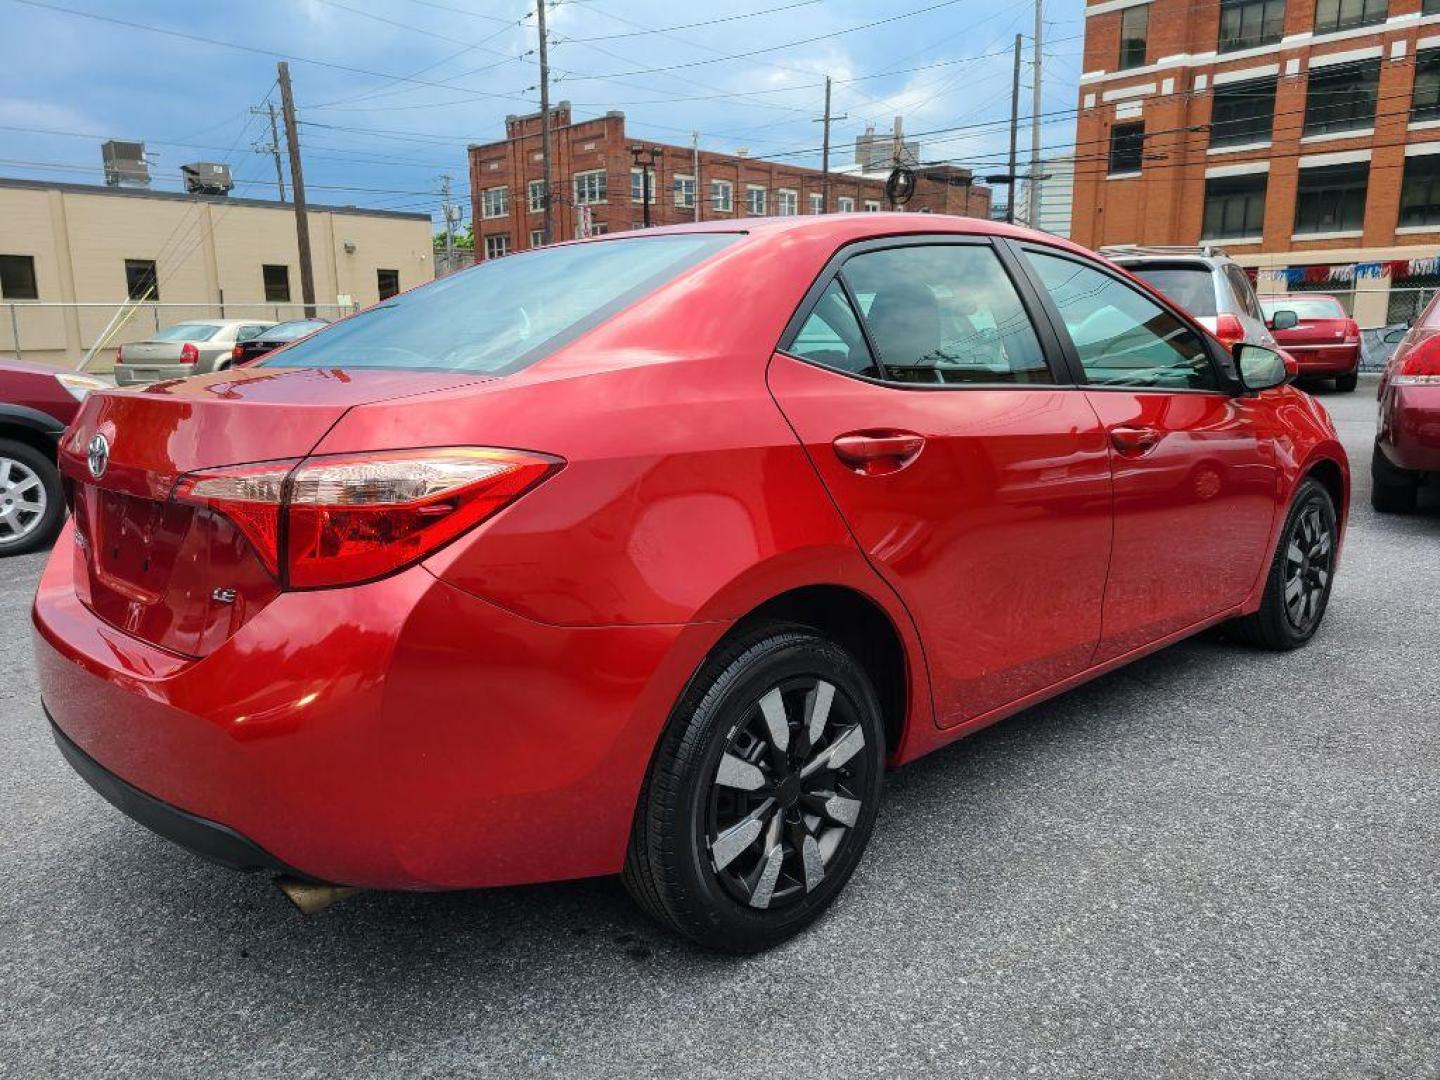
x=98, y=455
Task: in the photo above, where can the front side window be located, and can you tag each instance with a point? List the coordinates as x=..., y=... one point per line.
x=1243, y=112
x=140, y=280
x=1333, y=15
x=590, y=187
x=497, y=246
x=1425, y=101
x=722, y=196
x=754, y=200
x=501, y=314
x=1123, y=337
x=1341, y=97
x=1127, y=148
x=1235, y=207
x=17, y=278
x=685, y=192
x=495, y=202
x=1248, y=24
x=535, y=196
x=1331, y=198
x=387, y=283
x=277, y=283
x=832, y=338
x=1134, y=36
x=945, y=313
x=1420, y=195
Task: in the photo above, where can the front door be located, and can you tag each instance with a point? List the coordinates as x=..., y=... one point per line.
x=1195, y=473
x=973, y=477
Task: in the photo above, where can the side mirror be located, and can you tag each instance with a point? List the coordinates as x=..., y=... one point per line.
x=1394, y=337
x=1284, y=319
x=1260, y=368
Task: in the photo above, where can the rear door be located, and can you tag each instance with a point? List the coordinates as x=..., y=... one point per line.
x=1194, y=465
x=974, y=476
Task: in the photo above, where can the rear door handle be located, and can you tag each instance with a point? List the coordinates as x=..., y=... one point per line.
x=1135, y=441
x=875, y=453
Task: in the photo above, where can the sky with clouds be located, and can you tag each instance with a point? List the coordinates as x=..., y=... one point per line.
x=390, y=92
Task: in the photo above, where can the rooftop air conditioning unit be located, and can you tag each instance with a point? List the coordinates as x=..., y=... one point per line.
x=207, y=178
x=125, y=164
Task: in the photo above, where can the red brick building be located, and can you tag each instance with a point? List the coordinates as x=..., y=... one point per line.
x=1302, y=135
x=592, y=167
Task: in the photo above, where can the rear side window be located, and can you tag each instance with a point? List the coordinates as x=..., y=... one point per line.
x=186, y=331
x=503, y=313
x=943, y=313
x=1123, y=337
x=1191, y=287
x=831, y=336
x=1243, y=290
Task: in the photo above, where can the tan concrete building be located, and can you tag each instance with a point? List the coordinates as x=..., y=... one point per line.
x=71, y=255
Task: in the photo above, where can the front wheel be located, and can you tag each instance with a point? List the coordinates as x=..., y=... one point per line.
x=1297, y=588
x=763, y=792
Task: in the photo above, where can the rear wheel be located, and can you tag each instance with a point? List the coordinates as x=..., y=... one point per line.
x=1297, y=588
x=1392, y=490
x=32, y=507
x=1347, y=383
x=763, y=792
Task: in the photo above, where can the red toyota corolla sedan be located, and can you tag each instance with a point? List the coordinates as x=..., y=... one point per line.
x=1407, y=447
x=650, y=553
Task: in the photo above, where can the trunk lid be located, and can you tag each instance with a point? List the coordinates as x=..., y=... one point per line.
x=152, y=352
x=1315, y=332
x=178, y=576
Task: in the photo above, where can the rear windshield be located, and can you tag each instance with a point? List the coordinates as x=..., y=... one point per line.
x=1319, y=308
x=504, y=313
x=1192, y=287
x=186, y=331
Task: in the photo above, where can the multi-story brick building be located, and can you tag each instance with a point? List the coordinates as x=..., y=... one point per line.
x=594, y=173
x=1302, y=135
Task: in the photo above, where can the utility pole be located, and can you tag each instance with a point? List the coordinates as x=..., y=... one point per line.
x=695, y=169
x=273, y=146
x=297, y=184
x=827, y=120
x=1014, y=131
x=449, y=224
x=636, y=152
x=1032, y=189
x=545, y=119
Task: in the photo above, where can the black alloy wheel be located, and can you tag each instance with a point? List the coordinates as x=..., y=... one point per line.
x=1301, y=575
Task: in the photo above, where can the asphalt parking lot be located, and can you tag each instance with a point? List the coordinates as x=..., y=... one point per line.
x=1214, y=863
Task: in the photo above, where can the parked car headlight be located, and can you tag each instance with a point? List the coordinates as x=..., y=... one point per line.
x=80, y=385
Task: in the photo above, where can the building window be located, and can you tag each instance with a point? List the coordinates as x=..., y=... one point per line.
x=589, y=187
x=1235, y=207
x=17, y=278
x=535, y=196
x=497, y=246
x=1127, y=148
x=599, y=228
x=1342, y=97
x=817, y=204
x=722, y=196
x=847, y=206
x=277, y=284
x=1425, y=104
x=1331, y=198
x=387, y=282
x=787, y=202
x=1134, y=30
x=1243, y=112
x=140, y=280
x=1332, y=15
x=1420, y=197
x=684, y=189
x=1430, y=7
x=872, y=206
x=637, y=186
x=1248, y=24
x=495, y=202
x=754, y=200
x=537, y=238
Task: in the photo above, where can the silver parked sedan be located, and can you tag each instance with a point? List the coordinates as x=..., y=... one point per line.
x=187, y=348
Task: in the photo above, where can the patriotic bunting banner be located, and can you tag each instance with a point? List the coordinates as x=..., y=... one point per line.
x=1294, y=276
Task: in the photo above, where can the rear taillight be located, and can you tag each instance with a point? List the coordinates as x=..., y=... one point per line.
x=1420, y=365
x=237, y=353
x=1229, y=329
x=189, y=354
x=1352, y=332
x=341, y=519
x=120, y=355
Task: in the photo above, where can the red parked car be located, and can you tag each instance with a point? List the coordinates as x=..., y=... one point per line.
x=503, y=582
x=36, y=403
x=1323, y=339
x=1407, y=446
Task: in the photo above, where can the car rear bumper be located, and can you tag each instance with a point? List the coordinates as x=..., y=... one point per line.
x=1325, y=359
x=1410, y=427
x=400, y=735
x=143, y=374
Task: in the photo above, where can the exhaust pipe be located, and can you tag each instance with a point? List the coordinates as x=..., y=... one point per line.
x=311, y=898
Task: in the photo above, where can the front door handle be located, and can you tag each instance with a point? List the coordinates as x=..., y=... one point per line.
x=875, y=453
x=1135, y=441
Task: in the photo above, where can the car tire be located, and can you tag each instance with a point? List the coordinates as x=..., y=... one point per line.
x=28, y=477
x=1392, y=490
x=707, y=859
x=1346, y=383
x=1301, y=574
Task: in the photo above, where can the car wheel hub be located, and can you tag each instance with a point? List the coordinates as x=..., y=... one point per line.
x=22, y=500
x=1309, y=556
